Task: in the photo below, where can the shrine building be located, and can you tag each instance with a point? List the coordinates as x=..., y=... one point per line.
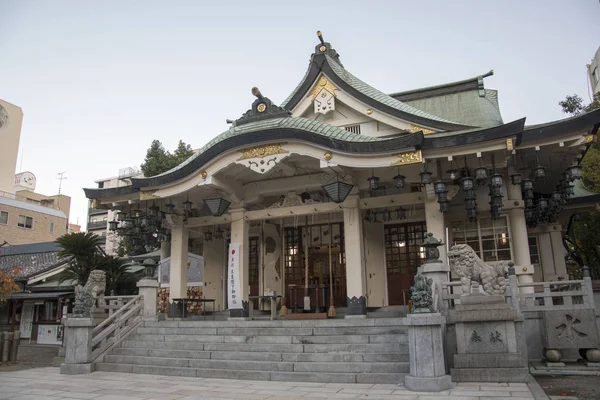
x=327, y=196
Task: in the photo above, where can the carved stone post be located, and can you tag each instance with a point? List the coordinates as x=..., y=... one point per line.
x=148, y=288
x=513, y=288
x=425, y=342
x=78, y=355
x=434, y=268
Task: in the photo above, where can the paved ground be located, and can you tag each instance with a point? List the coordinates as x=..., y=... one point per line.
x=570, y=386
x=48, y=384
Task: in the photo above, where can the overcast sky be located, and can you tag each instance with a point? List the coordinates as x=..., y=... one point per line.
x=99, y=80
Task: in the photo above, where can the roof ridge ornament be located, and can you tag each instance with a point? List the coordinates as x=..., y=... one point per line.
x=262, y=108
x=325, y=48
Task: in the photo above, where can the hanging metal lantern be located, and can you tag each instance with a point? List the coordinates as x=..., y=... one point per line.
x=539, y=172
x=527, y=184
x=338, y=191
x=496, y=201
x=187, y=206
x=439, y=187
x=127, y=223
x=372, y=216
x=454, y=174
x=496, y=191
x=207, y=236
x=442, y=197
x=470, y=204
x=137, y=213
x=570, y=190
x=529, y=214
x=113, y=225
x=137, y=230
x=443, y=206
x=399, y=181
x=557, y=196
x=144, y=221
x=496, y=180
x=217, y=206
x=470, y=194
x=219, y=234
x=542, y=203
x=401, y=213
x=121, y=215
x=575, y=172
x=373, y=182
x=516, y=178
x=528, y=194
x=472, y=214
x=387, y=215
x=481, y=175
x=467, y=183
x=170, y=208
x=425, y=176
x=529, y=203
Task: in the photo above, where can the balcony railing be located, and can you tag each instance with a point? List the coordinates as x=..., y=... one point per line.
x=96, y=211
x=97, y=225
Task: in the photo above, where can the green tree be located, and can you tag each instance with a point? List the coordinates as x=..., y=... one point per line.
x=159, y=160
x=118, y=276
x=573, y=105
x=85, y=253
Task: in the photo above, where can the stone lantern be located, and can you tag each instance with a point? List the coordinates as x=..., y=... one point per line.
x=432, y=254
x=149, y=268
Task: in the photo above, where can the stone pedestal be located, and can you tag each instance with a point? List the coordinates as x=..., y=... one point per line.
x=486, y=341
x=149, y=289
x=438, y=272
x=78, y=355
x=426, y=349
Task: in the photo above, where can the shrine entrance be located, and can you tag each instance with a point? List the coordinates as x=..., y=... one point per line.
x=310, y=253
x=403, y=255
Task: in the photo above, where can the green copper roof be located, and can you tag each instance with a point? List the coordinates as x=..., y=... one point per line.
x=310, y=125
x=369, y=91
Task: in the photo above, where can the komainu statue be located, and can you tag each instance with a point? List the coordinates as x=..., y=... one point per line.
x=421, y=296
x=86, y=296
x=469, y=267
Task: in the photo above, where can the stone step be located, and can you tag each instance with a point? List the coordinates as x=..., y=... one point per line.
x=310, y=339
x=320, y=377
x=274, y=331
x=273, y=348
x=277, y=323
x=267, y=356
x=332, y=367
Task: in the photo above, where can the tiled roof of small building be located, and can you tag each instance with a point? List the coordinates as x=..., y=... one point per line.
x=31, y=259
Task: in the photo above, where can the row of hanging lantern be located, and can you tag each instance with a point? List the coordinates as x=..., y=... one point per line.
x=547, y=209
x=386, y=215
x=141, y=228
x=217, y=233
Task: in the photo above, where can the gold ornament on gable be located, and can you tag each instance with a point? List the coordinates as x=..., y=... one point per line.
x=323, y=83
x=509, y=144
x=148, y=195
x=262, y=151
x=203, y=174
x=410, y=157
x=415, y=128
x=327, y=156
x=589, y=139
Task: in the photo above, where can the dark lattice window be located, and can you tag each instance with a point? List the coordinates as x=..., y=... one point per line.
x=253, y=260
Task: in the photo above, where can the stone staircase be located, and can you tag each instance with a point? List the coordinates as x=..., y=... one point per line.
x=371, y=350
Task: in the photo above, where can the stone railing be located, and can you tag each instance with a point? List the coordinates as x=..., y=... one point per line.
x=556, y=295
x=110, y=304
x=123, y=320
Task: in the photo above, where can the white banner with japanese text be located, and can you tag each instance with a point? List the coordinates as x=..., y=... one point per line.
x=234, y=293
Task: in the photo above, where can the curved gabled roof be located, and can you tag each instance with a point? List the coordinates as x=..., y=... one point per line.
x=584, y=122
x=322, y=62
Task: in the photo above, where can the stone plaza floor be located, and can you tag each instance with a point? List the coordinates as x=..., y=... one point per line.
x=48, y=384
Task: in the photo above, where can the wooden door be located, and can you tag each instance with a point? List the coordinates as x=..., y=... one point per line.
x=403, y=255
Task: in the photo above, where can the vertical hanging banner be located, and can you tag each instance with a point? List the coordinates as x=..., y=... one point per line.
x=234, y=293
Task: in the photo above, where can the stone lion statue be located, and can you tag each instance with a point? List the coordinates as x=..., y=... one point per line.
x=86, y=296
x=469, y=267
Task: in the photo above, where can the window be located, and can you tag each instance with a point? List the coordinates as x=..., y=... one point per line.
x=595, y=75
x=489, y=238
x=3, y=217
x=103, y=234
x=94, y=220
x=100, y=185
x=51, y=227
x=353, y=129
x=105, y=219
x=534, y=252
x=25, y=222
